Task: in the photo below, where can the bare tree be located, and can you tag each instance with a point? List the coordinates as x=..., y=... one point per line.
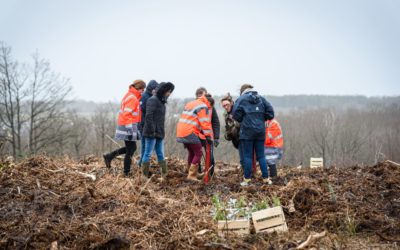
x=47, y=98
x=12, y=95
x=103, y=122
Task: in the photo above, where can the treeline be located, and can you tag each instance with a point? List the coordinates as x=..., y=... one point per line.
x=36, y=117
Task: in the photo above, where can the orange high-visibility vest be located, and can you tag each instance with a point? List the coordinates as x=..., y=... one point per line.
x=195, y=119
x=273, y=134
x=129, y=111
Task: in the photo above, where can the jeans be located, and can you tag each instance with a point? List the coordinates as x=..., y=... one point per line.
x=247, y=148
x=241, y=157
x=142, y=147
x=151, y=144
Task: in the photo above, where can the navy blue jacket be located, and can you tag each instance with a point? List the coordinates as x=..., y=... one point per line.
x=143, y=101
x=252, y=110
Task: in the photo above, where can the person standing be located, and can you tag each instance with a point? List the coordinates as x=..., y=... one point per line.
x=150, y=91
x=193, y=124
x=252, y=110
x=154, y=128
x=273, y=146
x=129, y=117
x=232, y=127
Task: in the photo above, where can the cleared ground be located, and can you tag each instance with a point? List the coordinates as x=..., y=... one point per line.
x=51, y=203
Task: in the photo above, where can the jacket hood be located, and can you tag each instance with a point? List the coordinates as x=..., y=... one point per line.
x=253, y=96
x=162, y=89
x=152, y=85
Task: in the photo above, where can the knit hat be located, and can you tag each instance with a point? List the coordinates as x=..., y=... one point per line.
x=139, y=84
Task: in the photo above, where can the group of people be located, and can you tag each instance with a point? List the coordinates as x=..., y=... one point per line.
x=249, y=124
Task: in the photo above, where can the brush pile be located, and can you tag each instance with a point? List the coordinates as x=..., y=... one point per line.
x=63, y=204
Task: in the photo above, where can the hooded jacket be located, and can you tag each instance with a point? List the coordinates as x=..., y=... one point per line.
x=252, y=110
x=155, y=112
x=152, y=85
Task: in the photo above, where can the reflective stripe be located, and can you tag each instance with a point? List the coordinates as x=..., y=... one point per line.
x=122, y=132
x=204, y=119
x=189, y=122
x=189, y=113
x=274, y=138
x=193, y=112
x=128, y=98
x=207, y=131
x=130, y=111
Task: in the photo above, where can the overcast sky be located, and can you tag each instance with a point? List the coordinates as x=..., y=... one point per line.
x=281, y=47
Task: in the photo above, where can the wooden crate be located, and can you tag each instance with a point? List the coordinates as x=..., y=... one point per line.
x=316, y=162
x=240, y=227
x=269, y=220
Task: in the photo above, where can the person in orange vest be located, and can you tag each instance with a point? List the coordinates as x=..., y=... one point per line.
x=215, y=124
x=195, y=124
x=273, y=146
x=129, y=116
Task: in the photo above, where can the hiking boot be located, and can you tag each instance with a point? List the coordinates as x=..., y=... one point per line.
x=267, y=181
x=192, y=175
x=245, y=183
x=107, y=160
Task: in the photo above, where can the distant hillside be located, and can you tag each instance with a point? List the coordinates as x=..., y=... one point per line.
x=280, y=103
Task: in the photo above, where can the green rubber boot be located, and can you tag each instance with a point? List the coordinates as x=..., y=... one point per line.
x=164, y=169
x=145, y=169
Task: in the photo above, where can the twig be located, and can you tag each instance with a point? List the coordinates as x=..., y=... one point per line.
x=393, y=163
x=311, y=239
x=109, y=137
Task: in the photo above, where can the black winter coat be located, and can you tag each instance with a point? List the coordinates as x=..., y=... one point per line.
x=143, y=101
x=215, y=124
x=155, y=113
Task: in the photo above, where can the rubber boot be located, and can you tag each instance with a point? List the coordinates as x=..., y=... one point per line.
x=164, y=169
x=193, y=172
x=109, y=157
x=187, y=168
x=107, y=160
x=272, y=170
x=145, y=169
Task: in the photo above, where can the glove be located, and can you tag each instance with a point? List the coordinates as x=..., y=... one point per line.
x=209, y=140
x=216, y=143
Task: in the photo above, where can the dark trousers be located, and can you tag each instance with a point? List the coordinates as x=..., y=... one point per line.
x=128, y=150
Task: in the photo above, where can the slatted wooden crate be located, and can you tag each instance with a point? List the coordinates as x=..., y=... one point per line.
x=270, y=220
x=316, y=162
x=240, y=227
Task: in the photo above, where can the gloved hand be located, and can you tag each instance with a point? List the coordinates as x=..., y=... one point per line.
x=216, y=143
x=209, y=140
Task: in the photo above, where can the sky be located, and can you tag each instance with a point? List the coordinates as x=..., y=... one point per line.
x=286, y=47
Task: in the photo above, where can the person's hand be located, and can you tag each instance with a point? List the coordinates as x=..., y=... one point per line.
x=216, y=143
x=209, y=140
